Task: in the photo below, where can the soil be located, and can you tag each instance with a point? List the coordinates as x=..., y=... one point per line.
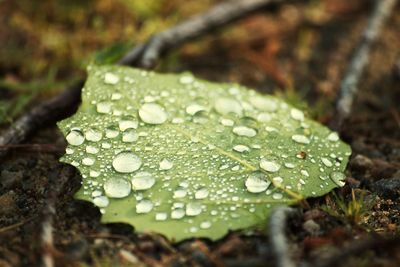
x=31, y=175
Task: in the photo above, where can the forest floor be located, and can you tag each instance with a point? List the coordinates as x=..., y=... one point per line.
x=298, y=51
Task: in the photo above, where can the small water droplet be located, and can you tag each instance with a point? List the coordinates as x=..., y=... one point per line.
x=165, y=164
x=193, y=209
x=186, y=79
x=225, y=106
x=269, y=166
x=92, y=149
x=178, y=213
x=227, y=122
x=88, y=161
x=338, y=178
x=180, y=192
x=264, y=117
x=277, y=195
x=244, y=131
x=195, y=108
x=101, y=201
x=327, y=162
x=205, y=225
x=110, y=78
x=127, y=122
x=333, y=137
x=94, y=173
x=117, y=187
x=75, y=137
x=103, y=107
x=112, y=132
x=201, y=193
x=129, y=136
x=126, y=162
x=93, y=135
x=302, y=139
x=161, y=216
x=297, y=114
x=143, y=181
x=116, y=96
x=263, y=103
x=152, y=113
x=256, y=182
x=241, y=148
x=144, y=206
x=69, y=151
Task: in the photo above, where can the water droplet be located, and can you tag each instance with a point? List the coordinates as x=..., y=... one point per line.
x=277, y=195
x=92, y=149
x=94, y=173
x=195, y=108
x=302, y=139
x=180, y=192
x=117, y=187
x=127, y=122
x=338, y=178
x=143, y=181
x=126, y=162
x=116, y=96
x=333, y=137
x=326, y=162
x=205, y=225
x=177, y=213
x=93, y=135
x=75, y=137
x=227, y=122
x=225, y=106
x=263, y=103
x=152, y=113
x=161, y=216
x=256, y=183
x=186, y=79
x=193, y=209
x=241, y=148
x=244, y=131
x=269, y=166
x=165, y=164
x=88, y=161
x=201, y=193
x=144, y=206
x=101, y=201
x=289, y=165
x=305, y=173
x=112, y=132
x=110, y=78
x=69, y=151
x=129, y=136
x=103, y=107
x=297, y=114
x=278, y=180
x=264, y=117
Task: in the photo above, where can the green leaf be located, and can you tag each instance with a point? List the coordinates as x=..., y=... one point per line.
x=187, y=158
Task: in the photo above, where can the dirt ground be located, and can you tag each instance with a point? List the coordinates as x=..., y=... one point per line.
x=297, y=49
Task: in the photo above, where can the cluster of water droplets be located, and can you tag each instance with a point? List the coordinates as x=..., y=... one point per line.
x=186, y=148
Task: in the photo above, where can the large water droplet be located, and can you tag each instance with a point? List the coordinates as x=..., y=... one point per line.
x=144, y=206
x=126, y=162
x=88, y=161
x=117, y=187
x=75, y=137
x=195, y=108
x=152, y=113
x=93, y=135
x=264, y=117
x=103, y=107
x=178, y=213
x=92, y=149
x=244, y=131
x=338, y=178
x=201, y=193
x=112, y=132
x=263, y=103
x=127, y=122
x=302, y=139
x=225, y=106
x=333, y=137
x=110, y=78
x=193, y=209
x=256, y=183
x=130, y=136
x=180, y=192
x=327, y=162
x=269, y=166
x=165, y=164
x=297, y=114
x=143, y=181
x=101, y=201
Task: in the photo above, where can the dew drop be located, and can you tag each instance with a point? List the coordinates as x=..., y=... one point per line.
x=112, y=132
x=302, y=139
x=205, y=225
x=180, y=192
x=129, y=136
x=92, y=150
x=269, y=166
x=201, y=193
x=177, y=213
x=143, y=181
x=116, y=96
x=338, y=178
x=263, y=103
x=161, y=216
x=126, y=162
x=193, y=209
x=152, y=113
x=195, y=108
x=186, y=79
x=241, y=148
x=264, y=117
x=127, y=122
x=117, y=188
x=103, y=107
x=227, y=122
x=165, y=164
x=88, y=161
x=244, y=131
x=297, y=114
x=277, y=195
x=326, y=162
x=333, y=137
x=225, y=106
x=110, y=78
x=75, y=137
x=144, y=206
x=256, y=183
x=93, y=135
x=101, y=201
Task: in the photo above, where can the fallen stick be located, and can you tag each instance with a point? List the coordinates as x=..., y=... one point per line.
x=360, y=59
x=143, y=55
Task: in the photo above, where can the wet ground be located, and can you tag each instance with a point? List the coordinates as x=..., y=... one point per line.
x=296, y=48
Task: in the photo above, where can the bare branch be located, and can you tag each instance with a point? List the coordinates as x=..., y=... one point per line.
x=360, y=59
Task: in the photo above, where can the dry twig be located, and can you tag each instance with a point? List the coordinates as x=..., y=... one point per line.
x=360, y=59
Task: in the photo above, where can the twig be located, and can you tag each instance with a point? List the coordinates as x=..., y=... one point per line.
x=62, y=105
x=278, y=240
x=360, y=59
x=359, y=247
x=146, y=55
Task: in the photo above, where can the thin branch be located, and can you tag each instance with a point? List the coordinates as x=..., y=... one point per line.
x=147, y=55
x=360, y=59
x=62, y=105
x=277, y=228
